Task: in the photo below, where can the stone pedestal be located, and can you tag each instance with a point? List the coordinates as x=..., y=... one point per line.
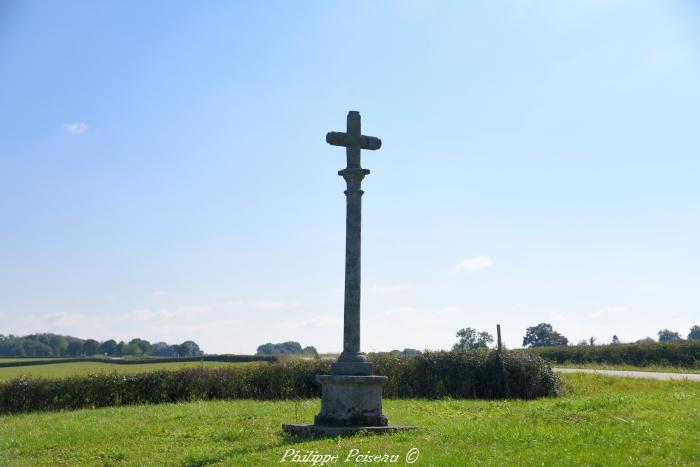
x=351, y=400
x=349, y=404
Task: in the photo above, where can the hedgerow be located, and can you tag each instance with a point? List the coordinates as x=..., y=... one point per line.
x=458, y=374
x=681, y=353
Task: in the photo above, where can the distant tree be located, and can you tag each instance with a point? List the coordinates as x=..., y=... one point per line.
x=290, y=347
x=130, y=349
x=144, y=346
x=119, y=349
x=646, y=340
x=543, y=335
x=74, y=349
x=472, y=339
x=265, y=349
x=161, y=349
x=108, y=347
x=34, y=348
x=195, y=351
x=50, y=345
x=59, y=344
x=615, y=339
x=284, y=348
x=187, y=349
x=582, y=343
x=90, y=347
x=591, y=341
x=666, y=335
x=694, y=333
x=12, y=347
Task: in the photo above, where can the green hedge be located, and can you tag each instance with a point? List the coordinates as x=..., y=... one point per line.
x=682, y=353
x=459, y=374
x=479, y=374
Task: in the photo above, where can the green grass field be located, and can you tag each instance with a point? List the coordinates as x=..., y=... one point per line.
x=605, y=366
x=24, y=359
x=57, y=370
x=598, y=421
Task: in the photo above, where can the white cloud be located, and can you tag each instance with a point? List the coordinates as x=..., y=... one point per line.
x=608, y=311
x=389, y=288
x=475, y=264
x=77, y=128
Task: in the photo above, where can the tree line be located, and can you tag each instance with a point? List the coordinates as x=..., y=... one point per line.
x=286, y=348
x=544, y=335
x=56, y=345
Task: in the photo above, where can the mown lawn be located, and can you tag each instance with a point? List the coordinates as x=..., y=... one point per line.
x=599, y=421
x=56, y=370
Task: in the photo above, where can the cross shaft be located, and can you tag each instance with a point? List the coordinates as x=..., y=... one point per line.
x=352, y=361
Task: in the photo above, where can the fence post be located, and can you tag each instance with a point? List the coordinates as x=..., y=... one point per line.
x=498, y=331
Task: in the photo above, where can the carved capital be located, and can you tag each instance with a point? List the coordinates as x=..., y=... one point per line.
x=353, y=177
x=352, y=174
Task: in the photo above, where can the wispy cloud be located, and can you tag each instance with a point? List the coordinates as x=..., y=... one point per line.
x=388, y=288
x=475, y=264
x=76, y=128
x=608, y=311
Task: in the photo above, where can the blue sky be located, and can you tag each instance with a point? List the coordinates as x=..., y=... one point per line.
x=164, y=174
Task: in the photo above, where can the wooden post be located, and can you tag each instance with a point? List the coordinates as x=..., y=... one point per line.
x=498, y=332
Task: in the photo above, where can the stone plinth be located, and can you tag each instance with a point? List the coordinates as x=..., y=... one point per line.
x=319, y=430
x=351, y=400
x=349, y=404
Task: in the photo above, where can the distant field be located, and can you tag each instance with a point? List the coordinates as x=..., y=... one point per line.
x=598, y=421
x=604, y=366
x=24, y=359
x=58, y=370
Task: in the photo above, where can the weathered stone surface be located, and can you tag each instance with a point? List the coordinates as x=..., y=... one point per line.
x=354, y=141
x=351, y=400
x=355, y=368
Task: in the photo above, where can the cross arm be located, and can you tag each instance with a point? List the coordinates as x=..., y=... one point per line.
x=337, y=138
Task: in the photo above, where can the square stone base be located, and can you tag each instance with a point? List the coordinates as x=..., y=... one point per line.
x=351, y=401
x=349, y=404
x=310, y=430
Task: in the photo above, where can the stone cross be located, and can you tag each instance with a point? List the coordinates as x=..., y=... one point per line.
x=352, y=361
x=351, y=397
